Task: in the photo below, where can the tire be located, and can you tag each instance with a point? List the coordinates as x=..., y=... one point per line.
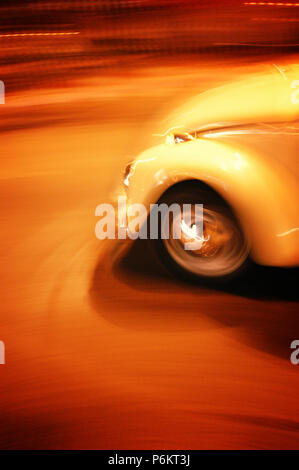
x=223, y=250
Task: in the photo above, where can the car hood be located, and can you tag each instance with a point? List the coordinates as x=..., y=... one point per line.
x=270, y=97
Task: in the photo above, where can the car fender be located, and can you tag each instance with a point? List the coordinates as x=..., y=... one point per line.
x=257, y=193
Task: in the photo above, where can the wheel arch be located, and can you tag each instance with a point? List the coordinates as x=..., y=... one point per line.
x=254, y=191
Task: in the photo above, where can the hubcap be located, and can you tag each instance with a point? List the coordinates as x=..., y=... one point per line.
x=220, y=248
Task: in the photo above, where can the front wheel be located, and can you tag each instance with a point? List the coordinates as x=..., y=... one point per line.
x=221, y=250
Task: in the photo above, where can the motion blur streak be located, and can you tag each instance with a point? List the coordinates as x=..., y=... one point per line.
x=102, y=348
x=272, y=4
x=37, y=34
x=282, y=20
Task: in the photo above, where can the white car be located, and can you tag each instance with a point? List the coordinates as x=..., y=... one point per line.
x=233, y=149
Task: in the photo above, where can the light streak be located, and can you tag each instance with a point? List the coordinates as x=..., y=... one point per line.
x=296, y=229
x=280, y=71
x=14, y=35
x=271, y=4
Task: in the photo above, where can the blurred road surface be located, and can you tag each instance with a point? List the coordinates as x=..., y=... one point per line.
x=108, y=351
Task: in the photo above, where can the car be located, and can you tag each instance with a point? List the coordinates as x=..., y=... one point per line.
x=233, y=149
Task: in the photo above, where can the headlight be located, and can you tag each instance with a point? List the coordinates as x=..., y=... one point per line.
x=178, y=138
